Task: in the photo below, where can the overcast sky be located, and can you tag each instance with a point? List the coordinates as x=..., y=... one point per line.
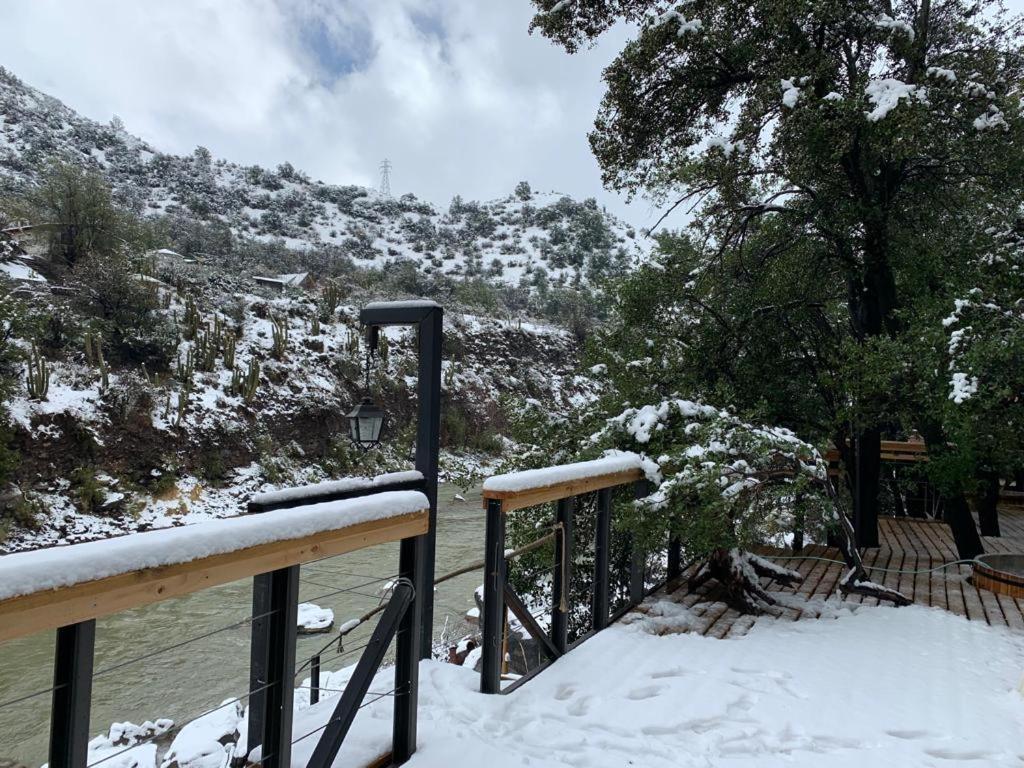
x=455, y=93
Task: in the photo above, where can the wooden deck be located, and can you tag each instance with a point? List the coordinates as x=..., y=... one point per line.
x=906, y=544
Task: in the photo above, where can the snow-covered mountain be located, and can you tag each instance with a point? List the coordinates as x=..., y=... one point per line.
x=525, y=237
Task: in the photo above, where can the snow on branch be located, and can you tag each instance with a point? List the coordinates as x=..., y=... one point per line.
x=885, y=94
x=23, y=573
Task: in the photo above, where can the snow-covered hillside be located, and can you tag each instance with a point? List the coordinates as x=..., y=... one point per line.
x=526, y=236
x=255, y=398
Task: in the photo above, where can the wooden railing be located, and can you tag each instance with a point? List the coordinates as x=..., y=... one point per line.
x=893, y=451
x=532, y=489
x=73, y=605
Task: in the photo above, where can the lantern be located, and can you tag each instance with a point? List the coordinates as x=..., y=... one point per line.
x=365, y=422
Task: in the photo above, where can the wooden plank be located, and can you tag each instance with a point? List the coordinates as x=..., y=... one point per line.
x=52, y=608
x=1011, y=611
x=955, y=593
x=531, y=497
x=972, y=601
x=725, y=623
x=993, y=611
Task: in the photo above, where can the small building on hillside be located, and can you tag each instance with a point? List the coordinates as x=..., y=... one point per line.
x=299, y=280
x=165, y=257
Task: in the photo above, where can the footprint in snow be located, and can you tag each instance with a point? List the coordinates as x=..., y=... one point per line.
x=668, y=673
x=952, y=754
x=647, y=692
x=908, y=734
x=579, y=708
x=564, y=692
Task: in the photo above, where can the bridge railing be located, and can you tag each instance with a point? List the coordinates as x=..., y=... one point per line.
x=563, y=485
x=67, y=588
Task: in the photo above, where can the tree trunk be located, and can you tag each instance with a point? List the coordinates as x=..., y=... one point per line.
x=867, y=465
x=897, y=493
x=958, y=515
x=987, y=503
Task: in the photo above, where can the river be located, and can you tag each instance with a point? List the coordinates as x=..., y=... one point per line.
x=186, y=681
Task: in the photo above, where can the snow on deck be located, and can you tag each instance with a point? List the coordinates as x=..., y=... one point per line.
x=565, y=473
x=22, y=573
x=877, y=686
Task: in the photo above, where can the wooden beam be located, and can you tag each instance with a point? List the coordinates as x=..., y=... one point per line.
x=52, y=608
x=530, y=497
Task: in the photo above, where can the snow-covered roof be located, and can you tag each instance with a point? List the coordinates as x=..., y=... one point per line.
x=17, y=271
x=168, y=252
x=23, y=573
x=565, y=473
x=293, y=278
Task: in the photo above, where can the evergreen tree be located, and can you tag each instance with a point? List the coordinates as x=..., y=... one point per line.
x=840, y=156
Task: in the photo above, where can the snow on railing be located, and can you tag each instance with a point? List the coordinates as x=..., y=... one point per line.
x=290, y=495
x=403, y=304
x=534, y=479
x=24, y=573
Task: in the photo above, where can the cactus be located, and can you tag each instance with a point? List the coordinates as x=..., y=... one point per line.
x=246, y=386
x=330, y=299
x=38, y=375
x=280, y=329
x=205, y=351
x=91, y=344
x=382, y=350
x=187, y=369
x=192, y=318
x=352, y=342
x=229, y=351
x=104, y=369
x=183, y=396
x=314, y=326
x=94, y=357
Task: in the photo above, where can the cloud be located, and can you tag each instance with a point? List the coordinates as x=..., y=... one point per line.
x=456, y=94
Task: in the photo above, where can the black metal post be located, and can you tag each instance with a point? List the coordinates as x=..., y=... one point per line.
x=272, y=665
x=428, y=448
x=258, y=656
x=637, y=557
x=355, y=690
x=72, y=695
x=561, y=594
x=602, y=545
x=407, y=657
x=429, y=320
x=675, y=558
x=314, y=679
x=494, y=598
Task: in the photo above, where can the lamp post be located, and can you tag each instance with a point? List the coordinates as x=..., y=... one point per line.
x=428, y=318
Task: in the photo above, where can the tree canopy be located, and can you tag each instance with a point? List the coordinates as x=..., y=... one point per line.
x=847, y=166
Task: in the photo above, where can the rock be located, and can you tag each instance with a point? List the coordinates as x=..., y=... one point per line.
x=313, y=619
x=10, y=497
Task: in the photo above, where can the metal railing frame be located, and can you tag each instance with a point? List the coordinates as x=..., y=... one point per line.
x=272, y=663
x=499, y=597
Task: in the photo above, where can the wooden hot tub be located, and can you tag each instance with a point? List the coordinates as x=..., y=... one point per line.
x=1000, y=573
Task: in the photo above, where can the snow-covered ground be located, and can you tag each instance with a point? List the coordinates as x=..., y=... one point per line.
x=879, y=686
x=869, y=686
